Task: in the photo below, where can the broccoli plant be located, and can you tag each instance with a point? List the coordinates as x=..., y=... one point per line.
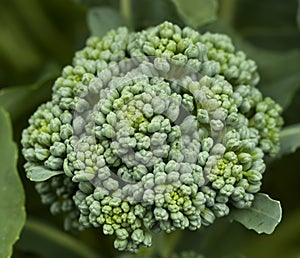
x=152, y=128
x=157, y=130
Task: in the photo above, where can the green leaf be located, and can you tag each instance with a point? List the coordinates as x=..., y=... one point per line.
x=197, y=13
x=283, y=90
x=263, y=216
x=22, y=100
x=102, y=19
x=268, y=24
x=148, y=13
x=289, y=139
x=280, y=78
x=12, y=210
x=39, y=173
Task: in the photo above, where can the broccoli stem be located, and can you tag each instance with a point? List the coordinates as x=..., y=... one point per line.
x=169, y=243
x=60, y=238
x=125, y=6
x=227, y=11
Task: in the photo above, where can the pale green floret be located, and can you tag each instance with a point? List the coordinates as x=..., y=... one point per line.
x=157, y=130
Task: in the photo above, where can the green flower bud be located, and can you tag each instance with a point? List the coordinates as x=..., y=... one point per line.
x=121, y=244
x=108, y=229
x=207, y=216
x=138, y=236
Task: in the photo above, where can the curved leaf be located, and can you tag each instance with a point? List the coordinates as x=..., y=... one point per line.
x=102, y=19
x=39, y=173
x=148, y=13
x=279, y=72
x=263, y=216
x=286, y=86
x=12, y=211
x=197, y=13
x=289, y=139
x=20, y=101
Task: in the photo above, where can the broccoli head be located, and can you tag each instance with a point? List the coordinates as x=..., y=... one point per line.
x=158, y=130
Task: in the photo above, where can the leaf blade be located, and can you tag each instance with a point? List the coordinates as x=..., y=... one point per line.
x=102, y=19
x=12, y=210
x=149, y=13
x=286, y=86
x=289, y=139
x=40, y=173
x=197, y=13
x=263, y=216
x=28, y=96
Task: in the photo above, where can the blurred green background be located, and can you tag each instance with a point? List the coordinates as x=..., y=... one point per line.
x=39, y=37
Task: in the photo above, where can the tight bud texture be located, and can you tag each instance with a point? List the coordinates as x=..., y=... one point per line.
x=158, y=130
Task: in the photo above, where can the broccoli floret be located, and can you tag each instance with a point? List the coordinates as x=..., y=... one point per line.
x=158, y=130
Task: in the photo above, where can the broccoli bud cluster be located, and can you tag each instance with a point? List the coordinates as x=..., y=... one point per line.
x=157, y=130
